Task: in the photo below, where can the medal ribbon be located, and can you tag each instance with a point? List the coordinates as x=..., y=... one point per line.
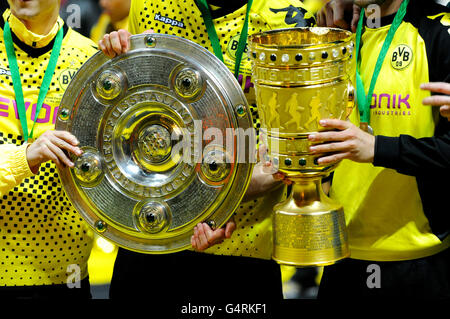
x=17, y=83
x=212, y=34
x=364, y=100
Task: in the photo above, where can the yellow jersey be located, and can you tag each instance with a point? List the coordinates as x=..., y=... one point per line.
x=386, y=206
x=104, y=26
x=43, y=240
x=253, y=235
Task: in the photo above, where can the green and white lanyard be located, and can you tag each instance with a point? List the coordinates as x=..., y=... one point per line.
x=364, y=101
x=212, y=34
x=17, y=83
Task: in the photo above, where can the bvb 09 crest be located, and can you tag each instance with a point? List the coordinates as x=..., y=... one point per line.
x=401, y=57
x=65, y=77
x=233, y=45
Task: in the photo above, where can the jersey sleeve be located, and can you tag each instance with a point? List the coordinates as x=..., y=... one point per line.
x=133, y=23
x=13, y=166
x=435, y=30
x=412, y=156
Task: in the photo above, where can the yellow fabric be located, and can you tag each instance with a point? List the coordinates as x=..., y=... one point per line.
x=13, y=166
x=28, y=37
x=383, y=208
x=100, y=28
x=444, y=18
x=314, y=6
x=253, y=235
x=41, y=234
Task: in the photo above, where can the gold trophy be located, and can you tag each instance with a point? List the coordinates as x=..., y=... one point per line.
x=302, y=75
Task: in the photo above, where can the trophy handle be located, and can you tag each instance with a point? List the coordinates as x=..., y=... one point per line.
x=351, y=100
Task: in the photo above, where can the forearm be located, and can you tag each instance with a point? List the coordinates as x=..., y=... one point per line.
x=411, y=156
x=13, y=166
x=260, y=183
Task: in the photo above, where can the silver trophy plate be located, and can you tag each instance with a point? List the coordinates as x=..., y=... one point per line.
x=167, y=143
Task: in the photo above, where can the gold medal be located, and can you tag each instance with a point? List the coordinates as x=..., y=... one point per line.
x=366, y=127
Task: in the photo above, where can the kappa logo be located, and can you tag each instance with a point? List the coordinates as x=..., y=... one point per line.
x=401, y=57
x=173, y=22
x=5, y=72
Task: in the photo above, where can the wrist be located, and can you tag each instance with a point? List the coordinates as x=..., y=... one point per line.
x=372, y=149
x=33, y=164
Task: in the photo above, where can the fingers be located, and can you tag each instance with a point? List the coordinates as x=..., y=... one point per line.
x=66, y=141
x=279, y=176
x=331, y=147
x=331, y=135
x=338, y=137
x=445, y=111
x=436, y=100
x=230, y=228
x=269, y=168
x=355, y=18
x=262, y=151
x=50, y=146
x=437, y=87
x=350, y=142
x=148, y=31
x=321, y=20
x=49, y=154
x=124, y=37
x=333, y=14
x=338, y=17
x=66, y=136
x=193, y=242
x=200, y=237
x=333, y=158
x=204, y=237
x=115, y=43
x=105, y=46
x=213, y=236
x=334, y=123
x=58, y=156
x=61, y=140
x=329, y=16
x=194, y=239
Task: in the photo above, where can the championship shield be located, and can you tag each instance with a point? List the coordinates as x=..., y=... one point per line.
x=167, y=142
x=302, y=75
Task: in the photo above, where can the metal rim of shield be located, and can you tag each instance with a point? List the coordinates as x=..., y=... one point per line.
x=147, y=177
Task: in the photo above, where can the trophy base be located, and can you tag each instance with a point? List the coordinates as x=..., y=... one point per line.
x=309, y=228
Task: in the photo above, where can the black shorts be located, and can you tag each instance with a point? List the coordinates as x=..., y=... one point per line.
x=47, y=292
x=188, y=275
x=427, y=278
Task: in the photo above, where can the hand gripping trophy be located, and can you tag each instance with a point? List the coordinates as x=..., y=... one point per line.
x=301, y=76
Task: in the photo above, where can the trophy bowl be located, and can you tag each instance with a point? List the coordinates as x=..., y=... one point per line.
x=302, y=75
x=167, y=141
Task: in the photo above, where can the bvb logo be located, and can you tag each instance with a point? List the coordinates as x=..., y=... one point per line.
x=401, y=57
x=232, y=48
x=65, y=77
